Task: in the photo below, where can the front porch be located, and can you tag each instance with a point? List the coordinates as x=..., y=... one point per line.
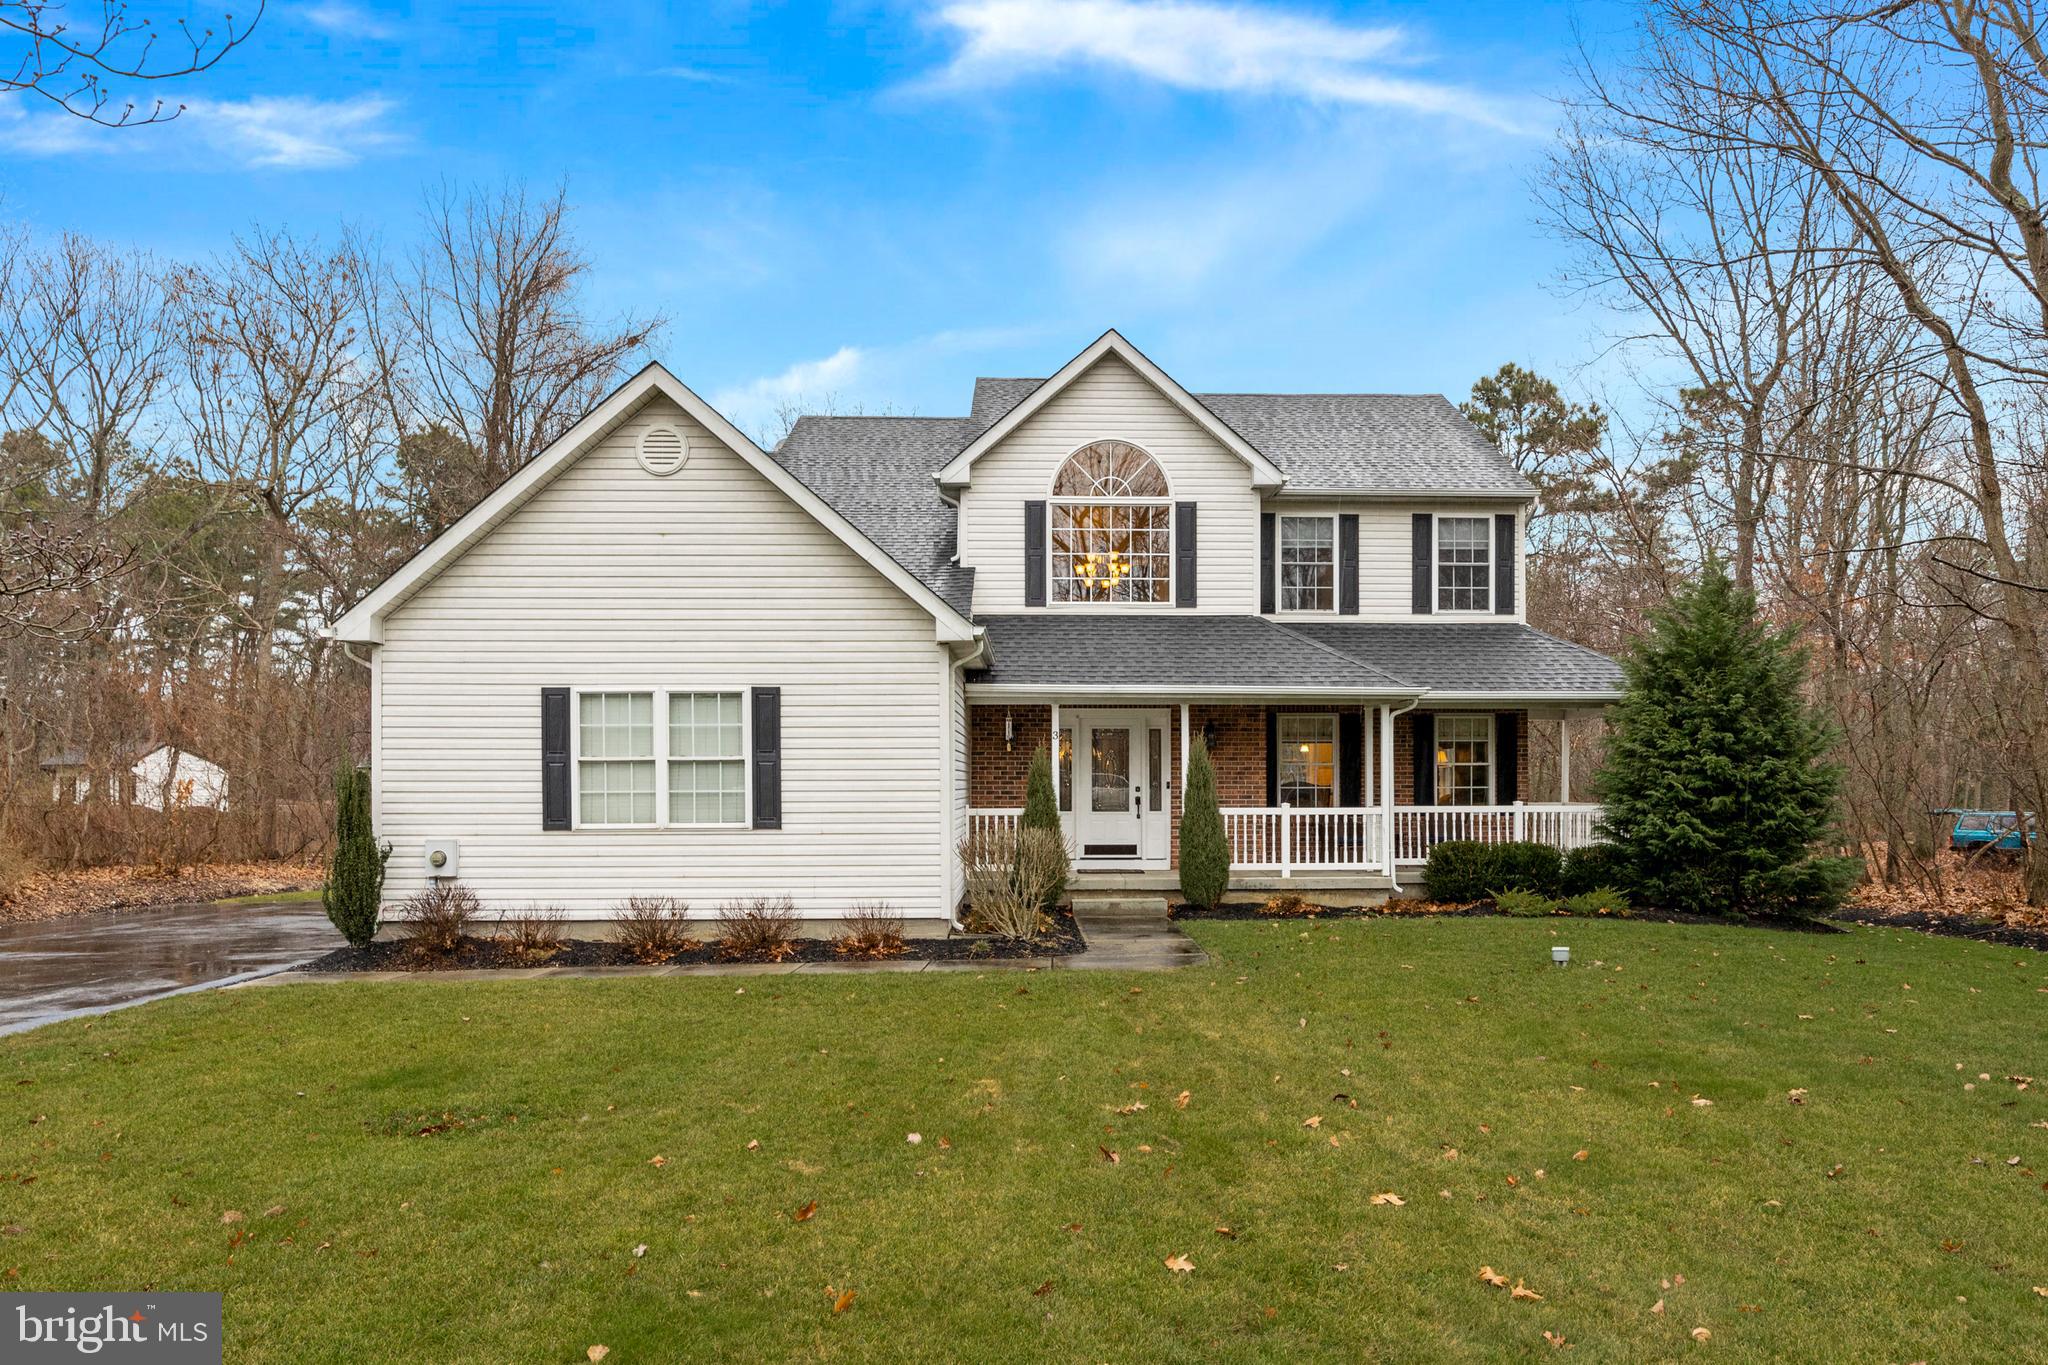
x=1314, y=796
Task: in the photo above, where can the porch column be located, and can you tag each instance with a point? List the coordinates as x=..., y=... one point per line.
x=1387, y=793
x=1564, y=757
x=1183, y=755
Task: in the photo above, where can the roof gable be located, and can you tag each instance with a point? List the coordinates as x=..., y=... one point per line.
x=363, y=622
x=1264, y=474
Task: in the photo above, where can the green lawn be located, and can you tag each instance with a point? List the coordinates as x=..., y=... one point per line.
x=1879, y=1220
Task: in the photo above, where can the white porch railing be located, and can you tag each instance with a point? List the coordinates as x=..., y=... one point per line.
x=1286, y=840
x=1565, y=825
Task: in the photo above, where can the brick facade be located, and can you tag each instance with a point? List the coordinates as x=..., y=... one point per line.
x=997, y=770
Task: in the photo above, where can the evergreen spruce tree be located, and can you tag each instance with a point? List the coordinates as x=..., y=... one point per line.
x=1204, y=849
x=1042, y=811
x=355, y=870
x=1718, y=781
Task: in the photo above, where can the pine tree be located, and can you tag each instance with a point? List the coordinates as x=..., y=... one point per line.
x=1204, y=849
x=1718, y=781
x=355, y=870
x=1042, y=811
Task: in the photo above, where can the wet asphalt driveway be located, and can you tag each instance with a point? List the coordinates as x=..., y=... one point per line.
x=54, y=968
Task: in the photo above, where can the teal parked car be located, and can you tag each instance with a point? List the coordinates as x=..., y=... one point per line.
x=1996, y=829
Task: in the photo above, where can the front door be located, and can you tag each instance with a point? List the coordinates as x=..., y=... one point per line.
x=1113, y=794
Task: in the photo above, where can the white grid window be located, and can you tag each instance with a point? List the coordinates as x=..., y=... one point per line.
x=615, y=758
x=707, y=769
x=1464, y=563
x=1111, y=527
x=1308, y=760
x=1308, y=564
x=1464, y=760
x=1112, y=552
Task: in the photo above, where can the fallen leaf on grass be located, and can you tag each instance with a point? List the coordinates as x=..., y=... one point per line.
x=1701, y=1102
x=1796, y=1096
x=639, y=1251
x=753, y=1144
x=1042, y=1290
x=803, y=1215
x=1701, y=1334
x=1182, y=1100
x=597, y=1353
x=1556, y=1339
x=1134, y=1107
x=655, y=1161
x=1658, y=1308
x=1522, y=1291
x=1229, y=1234
x=231, y=1216
x=1111, y=1157
x=1388, y=1198
x=1581, y=1154
x=1312, y=1121
x=2042, y=1290
x=1179, y=1264
x=913, y=1138
x=1493, y=1277
x=273, y=1211
x=843, y=1301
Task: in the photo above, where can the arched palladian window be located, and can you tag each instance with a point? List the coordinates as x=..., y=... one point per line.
x=1112, y=527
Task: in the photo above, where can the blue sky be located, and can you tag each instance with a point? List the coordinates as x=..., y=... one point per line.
x=876, y=202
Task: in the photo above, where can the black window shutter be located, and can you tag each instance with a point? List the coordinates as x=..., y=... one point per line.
x=1423, y=548
x=554, y=758
x=768, y=757
x=1034, y=554
x=1507, y=769
x=1347, y=564
x=1184, y=554
x=1272, y=757
x=1424, y=729
x=1269, y=535
x=1350, y=758
x=1504, y=564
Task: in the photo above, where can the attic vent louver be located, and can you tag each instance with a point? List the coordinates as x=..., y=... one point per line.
x=663, y=450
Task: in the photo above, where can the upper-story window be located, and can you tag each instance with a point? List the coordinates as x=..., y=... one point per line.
x=1308, y=563
x=1112, y=527
x=1464, y=563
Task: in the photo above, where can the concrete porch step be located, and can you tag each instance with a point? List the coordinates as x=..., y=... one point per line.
x=1118, y=905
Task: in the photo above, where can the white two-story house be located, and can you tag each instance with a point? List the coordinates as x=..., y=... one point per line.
x=660, y=660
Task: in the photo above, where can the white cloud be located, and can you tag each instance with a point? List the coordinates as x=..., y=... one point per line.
x=1194, y=45
x=756, y=405
x=338, y=16
x=294, y=131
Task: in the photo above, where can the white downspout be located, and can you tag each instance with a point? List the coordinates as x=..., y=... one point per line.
x=1387, y=717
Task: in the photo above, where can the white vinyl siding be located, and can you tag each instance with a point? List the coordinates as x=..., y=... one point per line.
x=1110, y=401
x=707, y=580
x=1386, y=548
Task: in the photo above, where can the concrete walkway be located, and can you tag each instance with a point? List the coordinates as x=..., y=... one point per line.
x=1123, y=933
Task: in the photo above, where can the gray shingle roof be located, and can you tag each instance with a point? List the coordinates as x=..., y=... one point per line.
x=1167, y=650
x=877, y=471
x=1471, y=656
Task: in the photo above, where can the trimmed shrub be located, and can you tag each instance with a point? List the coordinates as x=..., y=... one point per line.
x=872, y=931
x=1719, y=781
x=533, y=935
x=438, y=919
x=1204, y=848
x=1524, y=904
x=1042, y=811
x=355, y=870
x=1290, y=905
x=1601, y=900
x=1593, y=866
x=759, y=928
x=1468, y=870
x=653, y=928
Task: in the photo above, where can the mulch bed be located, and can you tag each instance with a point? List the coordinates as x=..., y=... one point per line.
x=1950, y=926
x=490, y=953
